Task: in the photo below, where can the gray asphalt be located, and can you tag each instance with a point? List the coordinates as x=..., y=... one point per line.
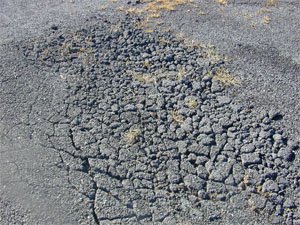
x=264, y=56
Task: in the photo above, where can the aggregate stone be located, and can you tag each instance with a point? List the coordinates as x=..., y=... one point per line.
x=277, y=137
x=214, y=188
x=109, y=207
x=247, y=148
x=257, y=201
x=230, y=180
x=205, y=129
x=216, y=87
x=228, y=147
x=223, y=100
x=221, y=172
x=286, y=154
x=275, y=198
x=182, y=146
x=206, y=140
x=136, y=150
x=250, y=158
x=202, y=172
x=270, y=186
x=296, y=222
x=288, y=203
x=194, y=182
x=187, y=167
x=270, y=173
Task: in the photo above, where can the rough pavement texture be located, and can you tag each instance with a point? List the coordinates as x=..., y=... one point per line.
x=122, y=126
x=262, y=42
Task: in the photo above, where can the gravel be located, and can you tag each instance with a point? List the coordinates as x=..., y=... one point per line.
x=148, y=137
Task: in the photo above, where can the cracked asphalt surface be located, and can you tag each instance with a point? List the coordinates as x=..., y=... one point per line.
x=107, y=121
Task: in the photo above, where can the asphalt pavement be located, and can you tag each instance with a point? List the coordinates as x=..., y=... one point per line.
x=149, y=112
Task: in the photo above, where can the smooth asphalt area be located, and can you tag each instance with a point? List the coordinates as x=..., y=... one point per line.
x=89, y=136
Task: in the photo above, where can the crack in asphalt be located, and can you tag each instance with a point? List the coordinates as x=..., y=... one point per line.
x=137, y=151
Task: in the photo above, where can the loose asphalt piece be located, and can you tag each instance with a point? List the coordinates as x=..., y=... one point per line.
x=108, y=119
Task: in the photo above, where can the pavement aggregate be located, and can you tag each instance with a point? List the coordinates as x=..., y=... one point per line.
x=146, y=134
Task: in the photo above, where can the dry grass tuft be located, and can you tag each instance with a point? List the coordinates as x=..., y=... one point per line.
x=246, y=180
x=260, y=191
x=159, y=5
x=222, y=2
x=248, y=16
x=176, y=117
x=213, y=56
x=144, y=78
x=267, y=19
x=271, y=3
x=115, y=28
x=131, y=10
x=209, y=52
x=131, y=135
x=149, y=30
x=253, y=207
x=102, y=7
x=191, y=43
x=163, y=40
x=154, y=8
x=252, y=24
x=180, y=35
x=192, y=103
x=154, y=15
x=264, y=10
x=181, y=73
x=120, y=8
x=224, y=77
x=146, y=63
